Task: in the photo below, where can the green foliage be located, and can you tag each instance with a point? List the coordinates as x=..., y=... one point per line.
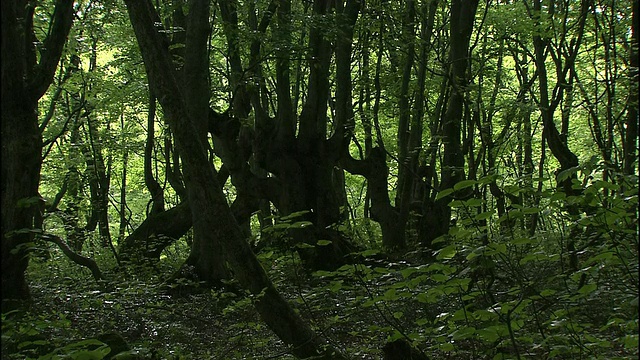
x=79, y=350
x=526, y=271
x=490, y=291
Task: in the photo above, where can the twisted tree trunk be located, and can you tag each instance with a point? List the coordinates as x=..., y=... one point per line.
x=206, y=199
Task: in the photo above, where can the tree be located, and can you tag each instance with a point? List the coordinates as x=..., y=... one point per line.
x=207, y=202
x=631, y=139
x=438, y=215
x=27, y=72
x=346, y=136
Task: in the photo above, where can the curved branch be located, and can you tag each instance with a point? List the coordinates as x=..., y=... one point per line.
x=75, y=257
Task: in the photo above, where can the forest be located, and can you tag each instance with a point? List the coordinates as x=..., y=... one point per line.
x=319, y=179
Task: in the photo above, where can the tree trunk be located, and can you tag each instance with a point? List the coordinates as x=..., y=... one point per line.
x=156, y=232
x=304, y=167
x=559, y=147
x=206, y=252
x=405, y=171
x=411, y=183
x=124, y=220
x=157, y=192
x=73, y=184
x=461, y=27
x=631, y=138
x=207, y=201
x=99, y=183
x=23, y=84
x=374, y=168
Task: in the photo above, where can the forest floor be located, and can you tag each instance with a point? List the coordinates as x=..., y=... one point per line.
x=358, y=308
x=182, y=321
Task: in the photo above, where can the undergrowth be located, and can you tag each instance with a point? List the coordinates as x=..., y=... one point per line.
x=489, y=292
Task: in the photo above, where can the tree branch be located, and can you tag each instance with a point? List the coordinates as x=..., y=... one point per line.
x=52, y=48
x=75, y=257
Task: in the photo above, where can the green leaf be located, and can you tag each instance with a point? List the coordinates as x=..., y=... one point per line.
x=439, y=277
x=601, y=184
x=444, y=193
x=483, y=216
x=294, y=215
x=335, y=286
x=530, y=210
x=304, y=245
x=97, y=354
x=28, y=343
x=588, y=288
x=473, y=202
x=390, y=295
x=446, y=347
x=463, y=333
x=488, y=335
x=369, y=252
x=521, y=241
x=472, y=255
x=323, y=242
x=381, y=270
x=511, y=215
x=565, y=174
x=464, y=184
x=499, y=248
x=439, y=239
x=631, y=341
x=127, y=355
x=488, y=179
x=547, y=292
x=300, y=224
x=28, y=202
x=534, y=257
x=447, y=253
x=408, y=271
x=604, y=256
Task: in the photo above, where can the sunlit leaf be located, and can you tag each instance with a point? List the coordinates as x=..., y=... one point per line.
x=447, y=252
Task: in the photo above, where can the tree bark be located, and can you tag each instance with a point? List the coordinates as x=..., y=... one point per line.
x=374, y=168
x=304, y=167
x=124, y=220
x=99, y=174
